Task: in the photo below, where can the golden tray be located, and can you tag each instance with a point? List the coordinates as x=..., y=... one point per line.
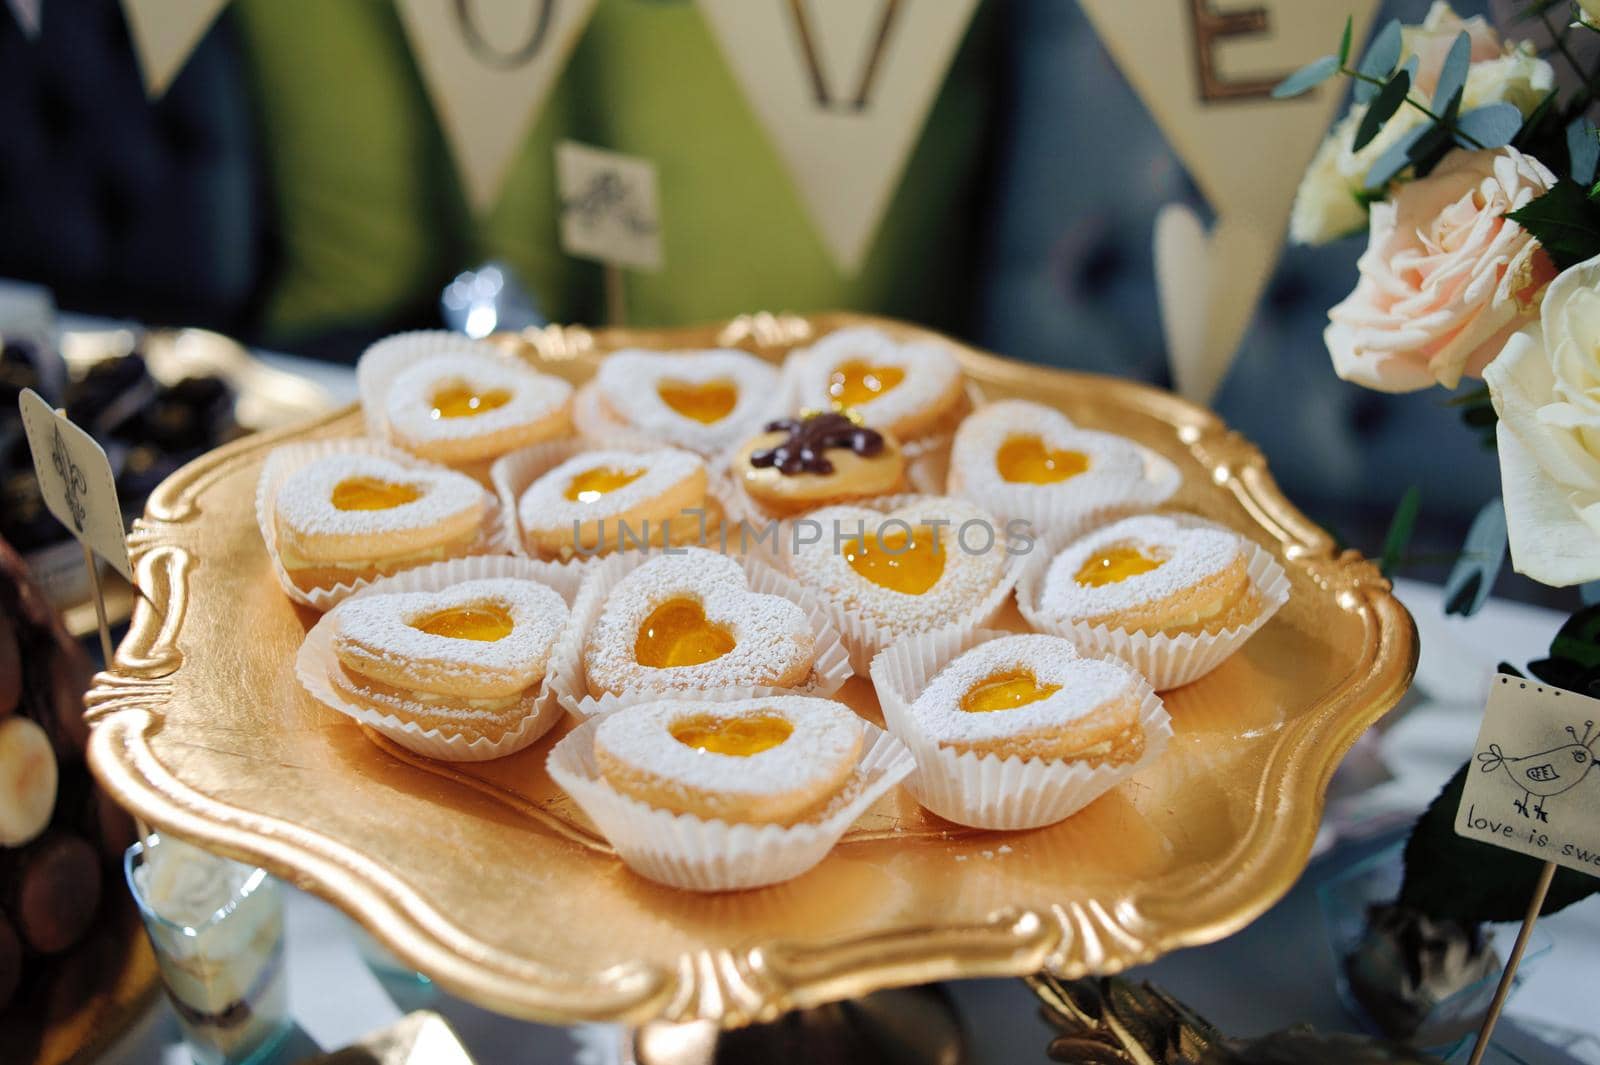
x=486, y=878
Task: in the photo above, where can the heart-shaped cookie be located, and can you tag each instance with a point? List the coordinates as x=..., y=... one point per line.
x=1022, y=458
x=602, y=501
x=1032, y=696
x=689, y=622
x=774, y=760
x=706, y=401
x=347, y=517
x=1154, y=575
x=481, y=639
x=467, y=407
x=925, y=565
x=910, y=389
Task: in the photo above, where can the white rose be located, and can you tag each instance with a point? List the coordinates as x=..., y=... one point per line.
x=1546, y=388
x=1329, y=205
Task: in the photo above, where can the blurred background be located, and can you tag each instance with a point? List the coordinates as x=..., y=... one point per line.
x=293, y=189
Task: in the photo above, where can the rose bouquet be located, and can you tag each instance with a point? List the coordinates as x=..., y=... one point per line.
x=1474, y=177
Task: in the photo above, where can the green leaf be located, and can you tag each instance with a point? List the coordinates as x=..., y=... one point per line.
x=1307, y=77
x=1394, y=159
x=1482, y=556
x=1579, y=639
x=1382, y=55
x=1401, y=526
x=1344, y=41
x=1494, y=126
x=1535, y=119
x=1449, y=877
x=1382, y=108
x=1453, y=75
x=1565, y=222
x=1583, y=149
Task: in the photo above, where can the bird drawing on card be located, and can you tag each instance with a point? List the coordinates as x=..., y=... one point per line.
x=1545, y=774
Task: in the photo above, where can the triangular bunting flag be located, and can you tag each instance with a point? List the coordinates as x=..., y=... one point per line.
x=843, y=88
x=164, y=33
x=1205, y=77
x=489, y=66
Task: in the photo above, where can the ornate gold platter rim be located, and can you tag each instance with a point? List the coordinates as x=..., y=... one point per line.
x=758, y=981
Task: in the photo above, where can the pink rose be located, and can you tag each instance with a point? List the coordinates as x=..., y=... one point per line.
x=1431, y=41
x=1446, y=278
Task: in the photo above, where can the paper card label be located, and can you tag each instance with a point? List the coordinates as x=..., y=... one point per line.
x=1532, y=786
x=609, y=206
x=76, y=481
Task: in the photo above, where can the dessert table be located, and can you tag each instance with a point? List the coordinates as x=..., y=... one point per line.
x=1277, y=972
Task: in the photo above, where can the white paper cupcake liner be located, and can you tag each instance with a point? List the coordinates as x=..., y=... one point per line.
x=829, y=670
x=1051, y=515
x=316, y=660
x=1167, y=662
x=513, y=474
x=285, y=460
x=987, y=791
x=688, y=852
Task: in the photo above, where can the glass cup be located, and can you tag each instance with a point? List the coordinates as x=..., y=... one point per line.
x=217, y=930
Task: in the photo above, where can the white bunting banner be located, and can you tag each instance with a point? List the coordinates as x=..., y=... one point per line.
x=489, y=66
x=1205, y=69
x=165, y=33
x=843, y=88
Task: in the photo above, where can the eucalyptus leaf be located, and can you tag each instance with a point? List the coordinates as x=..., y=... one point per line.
x=1307, y=77
x=1382, y=108
x=1482, y=555
x=1494, y=126
x=1394, y=159
x=1344, y=41
x=1453, y=75
x=1589, y=594
x=1583, y=149
x=1382, y=55
x=1401, y=526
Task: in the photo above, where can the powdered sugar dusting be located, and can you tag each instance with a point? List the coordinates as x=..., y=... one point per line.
x=304, y=500
x=379, y=627
x=931, y=371
x=630, y=381
x=1086, y=685
x=826, y=736
x=770, y=633
x=1191, y=554
x=967, y=577
x=545, y=504
x=1114, y=462
x=409, y=404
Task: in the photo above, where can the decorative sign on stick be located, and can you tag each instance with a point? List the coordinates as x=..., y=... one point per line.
x=1532, y=787
x=1205, y=69
x=488, y=66
x=79, y=489
x=843, y=88
x=164, y=33
x=609, y=212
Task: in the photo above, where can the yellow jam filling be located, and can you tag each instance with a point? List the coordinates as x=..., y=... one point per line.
x=738, y=736
x=590, y=485
x=463, y=401
x=855, y=382
x=1006, y=691
x=1115, y=564
x=369, y=493
x=1025, y=460
x=706, y=403
x=677, y=634
x=893, y=563
x=485, y=623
